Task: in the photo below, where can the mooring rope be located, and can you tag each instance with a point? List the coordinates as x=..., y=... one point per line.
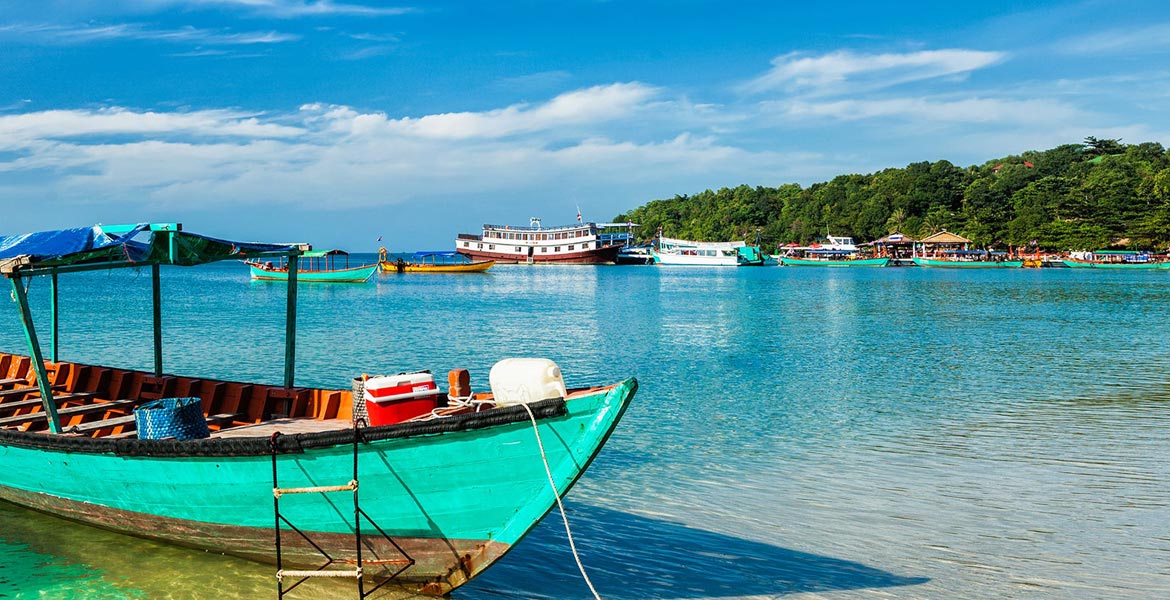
x=557, y=495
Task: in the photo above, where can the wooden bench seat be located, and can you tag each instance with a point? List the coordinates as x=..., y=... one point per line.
x=12, y=380
x=29, y=390
x=67, y=412
x=38, y=401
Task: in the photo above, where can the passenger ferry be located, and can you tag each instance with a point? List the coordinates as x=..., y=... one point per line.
x=671, y=251
x=584, y=243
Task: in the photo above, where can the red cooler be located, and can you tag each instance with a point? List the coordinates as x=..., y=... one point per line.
x=396, y=398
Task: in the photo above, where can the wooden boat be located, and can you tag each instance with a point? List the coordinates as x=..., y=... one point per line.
x=449, y=495
x=1116, y=259
x=320, y=266
x=829, y=261
x=967, y=259
x=583, y=243
x=436, y=262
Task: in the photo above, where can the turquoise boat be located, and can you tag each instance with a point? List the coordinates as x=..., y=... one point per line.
x=834, y=262
x=1117, y=259
x=956, y=263
x=425, y=503
x=319, y=266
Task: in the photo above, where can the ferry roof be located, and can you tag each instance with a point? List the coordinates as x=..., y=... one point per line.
x=530, y=228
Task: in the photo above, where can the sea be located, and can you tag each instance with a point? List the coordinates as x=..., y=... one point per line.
x=798, y=433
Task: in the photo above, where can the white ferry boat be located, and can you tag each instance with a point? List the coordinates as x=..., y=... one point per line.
x=582, y=243
x=672, y=251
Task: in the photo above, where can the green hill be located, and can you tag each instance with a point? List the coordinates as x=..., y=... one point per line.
x=1076, y=196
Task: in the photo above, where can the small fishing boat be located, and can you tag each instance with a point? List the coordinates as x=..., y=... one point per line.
x=832, y=258
x=444, y=491
x=1116, y=259
x=321, y=267
x=967, y=259
x=435, y=262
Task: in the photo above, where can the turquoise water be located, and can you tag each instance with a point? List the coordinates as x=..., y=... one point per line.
x=798, y=433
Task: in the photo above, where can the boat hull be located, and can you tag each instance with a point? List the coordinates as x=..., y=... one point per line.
x=595, y=256
x=354, y=275
x=861, y=262
x=967, y=264
x=455, y=495
x=472, y=267
x=1085, y=264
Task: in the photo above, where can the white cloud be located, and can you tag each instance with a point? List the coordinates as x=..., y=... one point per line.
x=303, y=8
x=1153, y=38
x=970, y=110
x=582, y=107
x=64, y=34
x=844, y=70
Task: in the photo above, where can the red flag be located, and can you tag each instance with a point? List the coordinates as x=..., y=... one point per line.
x=578, y=214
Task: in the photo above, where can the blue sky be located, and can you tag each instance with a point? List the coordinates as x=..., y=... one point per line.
x=336, y=122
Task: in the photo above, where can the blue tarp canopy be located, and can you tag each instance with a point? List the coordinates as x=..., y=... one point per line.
x=426, y=254
x=122, y=245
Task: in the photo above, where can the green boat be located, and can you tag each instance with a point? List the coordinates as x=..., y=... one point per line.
x=1117, y=259
x=834, y=262
x=319, y=266
x=440, y=499
x=958, y=263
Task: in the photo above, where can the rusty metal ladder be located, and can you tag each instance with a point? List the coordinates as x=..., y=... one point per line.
x=358, y=570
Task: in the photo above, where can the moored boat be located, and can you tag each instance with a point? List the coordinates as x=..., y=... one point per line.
x=1116, y=259
x=582, y=243
x=320, y=267
x=676, y=252
x=967, y=259
x=832, y=260
x=435, y=262
x=450, y=490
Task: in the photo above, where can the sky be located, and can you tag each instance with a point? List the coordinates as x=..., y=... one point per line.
x=337, y=122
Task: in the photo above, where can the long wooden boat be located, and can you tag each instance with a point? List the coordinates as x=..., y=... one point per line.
x=1116, y=259
x=318, y=267
x=967, y=264
x=450, y=494
x=436, y=262
x=833, y=262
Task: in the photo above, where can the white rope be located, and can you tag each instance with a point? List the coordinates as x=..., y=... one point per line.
x=557, y=495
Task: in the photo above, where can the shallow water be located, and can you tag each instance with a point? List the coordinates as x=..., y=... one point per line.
x=798, y=433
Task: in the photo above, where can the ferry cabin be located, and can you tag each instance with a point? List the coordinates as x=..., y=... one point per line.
x=582, y=243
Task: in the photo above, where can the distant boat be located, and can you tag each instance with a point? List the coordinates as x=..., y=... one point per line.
x=967, y=259
x=436, y=262
x=839, y=252
x=672, y=251
x=635, y=255
x=572, y=244
x=1115, y=259
x=315, y=266
x=830, y=259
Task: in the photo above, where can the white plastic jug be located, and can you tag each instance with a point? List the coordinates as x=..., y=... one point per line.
x=526, y=380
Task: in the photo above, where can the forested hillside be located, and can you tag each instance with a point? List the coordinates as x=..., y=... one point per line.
x=1077, y=196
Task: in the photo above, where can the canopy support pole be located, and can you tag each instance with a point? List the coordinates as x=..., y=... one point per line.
x=34, y=351
x=54, y=305
x=290, y=325
x=156, y=288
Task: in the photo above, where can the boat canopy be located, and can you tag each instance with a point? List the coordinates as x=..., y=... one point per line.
x=113, y=246
x=50, y=253
x=429, y=254
x=323, y=253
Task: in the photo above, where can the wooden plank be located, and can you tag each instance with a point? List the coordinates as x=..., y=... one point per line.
x=28, y=390
x=72, y=410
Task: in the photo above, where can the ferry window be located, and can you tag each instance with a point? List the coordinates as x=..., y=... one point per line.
x=557, y=249
x=491, y=247
x=571, y=246
x=518, y=248
x=544, y=248
x=466, y=245
x=479, y=246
